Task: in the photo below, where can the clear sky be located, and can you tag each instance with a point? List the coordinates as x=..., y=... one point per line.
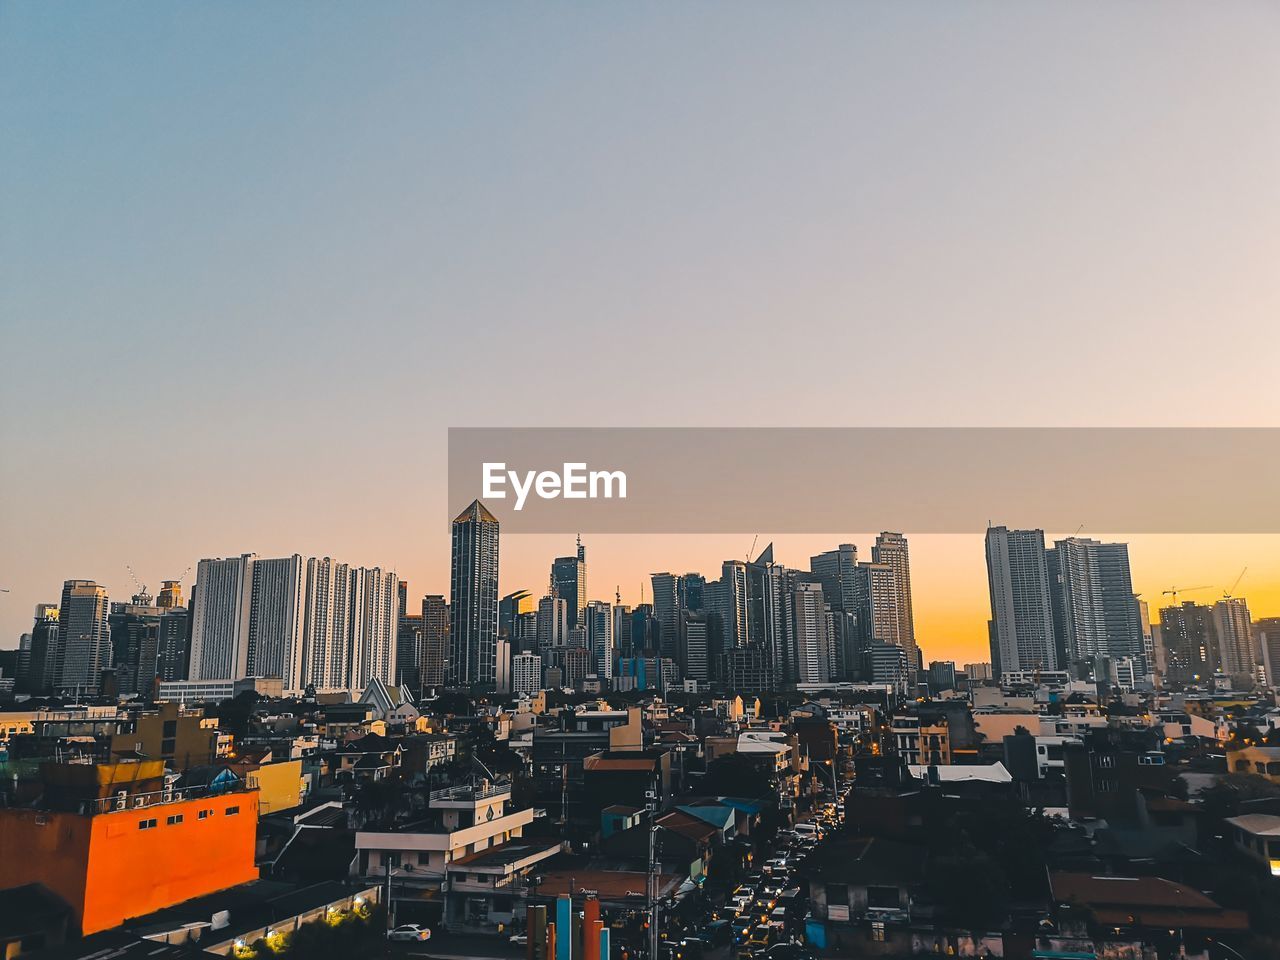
x=255, y=259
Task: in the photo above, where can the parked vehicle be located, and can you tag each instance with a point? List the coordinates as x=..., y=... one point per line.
x=409, y=931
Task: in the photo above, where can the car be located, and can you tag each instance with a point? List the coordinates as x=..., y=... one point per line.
x=409, y=931
x=776, y=865
x=519, y=939
x=789, y=951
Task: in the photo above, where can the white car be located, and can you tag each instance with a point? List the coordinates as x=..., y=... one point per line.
x=409, y=931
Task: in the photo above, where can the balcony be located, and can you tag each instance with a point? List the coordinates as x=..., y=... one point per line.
x=141, y=801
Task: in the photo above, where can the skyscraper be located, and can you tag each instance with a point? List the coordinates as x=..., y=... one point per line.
x=666, y=611
x=373, y=627
x=473, y=605
x=569, y=581
x=135, y=644
x=812, y=633
x=170, y=594
x=1190, y=642
x=1267, y=640
x=875, y=589
x=173, y=648
x=510, y=609
x=84, y=640
x=220, y=618
x=837, y=571
x=891, y=550
x=1094, y=610
x=599, y=636
x=553, y=624
x=1022, y=636
x=276, y=619
x=434, y=665
x=42, y=664
x=1234, y=628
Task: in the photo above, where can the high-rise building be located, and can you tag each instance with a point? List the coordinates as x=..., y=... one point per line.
x=693, y=590
x=875, y=590
x=942, y=675
x=666, y=611
x=84, y=639
x=1022, y=635
x=473, y=605
x=891, y=550
x=695, y=648
x=170, y=594
x=510, y=609
x=277, y=608
x=812, y=632
x=42, y=663
x=978, y=671
x=135, y=645
x=569, y=583
x=1234, y=628
x=1095, y=613
x=1267, y=639
x=433, y=667
x=553, y=623
x=621, y=628
x=526, y=674
x=220, y=618
x=598, y=620
x=1190, y=642
x=837, y=571
x=766, y=614
x=373, y=627
x=173, y=644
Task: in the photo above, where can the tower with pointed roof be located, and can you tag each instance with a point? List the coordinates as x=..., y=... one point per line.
x=473, y=607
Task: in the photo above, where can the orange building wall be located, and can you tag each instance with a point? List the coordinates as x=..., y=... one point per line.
x=110, y=871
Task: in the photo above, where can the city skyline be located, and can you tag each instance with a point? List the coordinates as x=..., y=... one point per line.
x=948, y=575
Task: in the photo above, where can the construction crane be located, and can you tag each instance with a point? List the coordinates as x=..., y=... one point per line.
x=751, y=553
x=1174, y=591
x=183, y=575
x=142, y=587
x=1227, y=594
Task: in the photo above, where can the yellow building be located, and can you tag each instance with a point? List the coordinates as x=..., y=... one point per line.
x=279, y=785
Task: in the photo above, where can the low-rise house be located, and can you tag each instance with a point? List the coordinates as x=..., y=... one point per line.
x=431, y=866
x=1257, y=836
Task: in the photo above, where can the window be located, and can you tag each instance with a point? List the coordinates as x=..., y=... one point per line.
x=1106, y=763
x=147, y=824
x=174, y=820
x=882, y=898
x=203, y=815
x=232, y=811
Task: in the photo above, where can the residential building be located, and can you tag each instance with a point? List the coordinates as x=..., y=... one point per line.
x=569, y=583
x=135, y=645
x=84, y=637
x=463, y=864
x=526, y=673
x=1022, y=634
x=1094, y=609
x=1234, y=630
x=890, y=549
x=473, y=606
x=98, y=823
x=220, y=618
